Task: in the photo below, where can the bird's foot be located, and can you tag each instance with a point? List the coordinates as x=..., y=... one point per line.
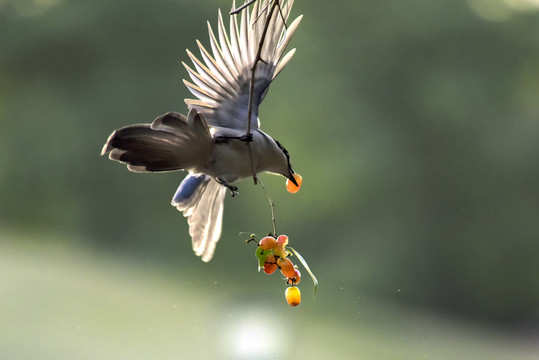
x=246, y=138
x=233, y=189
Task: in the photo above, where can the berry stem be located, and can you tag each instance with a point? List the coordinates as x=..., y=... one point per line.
x=272, y=206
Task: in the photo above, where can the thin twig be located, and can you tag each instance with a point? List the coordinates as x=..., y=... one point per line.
x=282, y=15
x=238, y=10
x=275, y=5
x=272, y=206
x=258, y=58
x=262, y=12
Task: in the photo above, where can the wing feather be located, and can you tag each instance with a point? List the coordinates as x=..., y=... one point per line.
x=221, y=81
x=218, y=63
x=201, y=200
x=283, y=62
x=289, y=33
x=226, y=47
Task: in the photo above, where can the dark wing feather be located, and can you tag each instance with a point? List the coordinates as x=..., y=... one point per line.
x=171, y=142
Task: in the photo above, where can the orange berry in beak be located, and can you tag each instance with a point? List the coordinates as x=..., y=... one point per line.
x=293, y=296
x=291, y=187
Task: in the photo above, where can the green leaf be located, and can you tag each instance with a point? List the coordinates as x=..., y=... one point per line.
x=304, y=263
x=261, y=256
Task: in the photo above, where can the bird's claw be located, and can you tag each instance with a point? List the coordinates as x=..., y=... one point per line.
x=233, y=189
x=246, y=137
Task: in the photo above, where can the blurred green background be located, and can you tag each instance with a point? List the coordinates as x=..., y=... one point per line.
x=415, y=125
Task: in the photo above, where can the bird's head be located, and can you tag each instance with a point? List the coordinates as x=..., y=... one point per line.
x=293, y=182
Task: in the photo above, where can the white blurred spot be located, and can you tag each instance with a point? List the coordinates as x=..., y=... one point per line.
x=492, y=10
x=523, y=5
x=501, y=10
x=46, y=3
x=32, y=7
x=251, y=335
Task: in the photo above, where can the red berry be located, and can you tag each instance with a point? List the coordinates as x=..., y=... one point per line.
x=282, y=240
x=270, y=268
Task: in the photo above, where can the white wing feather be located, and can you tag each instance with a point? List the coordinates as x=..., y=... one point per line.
x=221, y=81
x=203, y=209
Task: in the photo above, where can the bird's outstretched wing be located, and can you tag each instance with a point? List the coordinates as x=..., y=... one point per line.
x=222, y=82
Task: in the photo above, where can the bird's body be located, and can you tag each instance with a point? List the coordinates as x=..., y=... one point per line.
x=230, y=160
x=213, y=142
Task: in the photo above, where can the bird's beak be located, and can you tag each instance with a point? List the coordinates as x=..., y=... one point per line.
x=291, y=178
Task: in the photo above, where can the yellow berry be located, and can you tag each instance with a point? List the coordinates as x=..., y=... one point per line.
x=280, y=252
x=293, y=296
x=279, y=249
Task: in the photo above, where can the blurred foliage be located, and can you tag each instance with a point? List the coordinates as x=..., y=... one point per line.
x=111, y=307
x=415, y=125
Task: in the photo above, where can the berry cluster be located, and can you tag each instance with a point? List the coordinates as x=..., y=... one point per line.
x=272, y=255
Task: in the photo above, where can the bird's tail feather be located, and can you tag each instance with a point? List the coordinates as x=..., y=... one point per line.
x=171, y=142
x=201, y=200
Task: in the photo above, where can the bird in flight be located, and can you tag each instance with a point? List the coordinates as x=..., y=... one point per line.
x=210, y=142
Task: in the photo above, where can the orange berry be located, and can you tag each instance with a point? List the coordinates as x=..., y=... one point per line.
x=270, y=259
x=287, y=268
x=269, y=268
x=290, y=185
x=282, y=240
x=267, y=243
x=295, y=279
x=293, y=296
